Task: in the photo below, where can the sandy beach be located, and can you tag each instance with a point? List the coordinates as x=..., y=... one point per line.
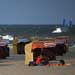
x=14, y=65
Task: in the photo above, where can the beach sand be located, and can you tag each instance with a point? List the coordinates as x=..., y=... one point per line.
x=14, y=65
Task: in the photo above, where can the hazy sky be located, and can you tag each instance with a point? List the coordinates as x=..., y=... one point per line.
x=36, y=11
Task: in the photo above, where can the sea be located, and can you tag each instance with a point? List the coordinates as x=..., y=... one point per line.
x=39, y=30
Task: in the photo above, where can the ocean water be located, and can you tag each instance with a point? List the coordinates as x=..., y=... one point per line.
x=36, y=30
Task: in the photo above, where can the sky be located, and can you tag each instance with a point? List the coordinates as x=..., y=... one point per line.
x=36, y=11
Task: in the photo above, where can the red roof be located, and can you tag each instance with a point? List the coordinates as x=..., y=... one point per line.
x=43, y=44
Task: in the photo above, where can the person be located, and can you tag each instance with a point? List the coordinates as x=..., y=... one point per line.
x=38, y=60
x=15, y=42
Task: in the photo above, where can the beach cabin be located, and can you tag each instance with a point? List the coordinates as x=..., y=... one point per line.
x=4, y=49
x=48, y=49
